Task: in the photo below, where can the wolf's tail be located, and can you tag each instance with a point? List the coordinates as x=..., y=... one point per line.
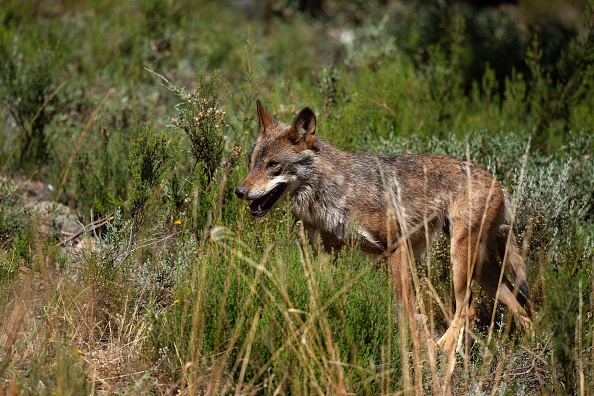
x=507, y=246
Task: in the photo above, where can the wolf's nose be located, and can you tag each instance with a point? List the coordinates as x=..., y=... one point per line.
x=240, y=192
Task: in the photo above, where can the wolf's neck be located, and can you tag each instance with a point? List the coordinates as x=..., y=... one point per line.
x=321, y=200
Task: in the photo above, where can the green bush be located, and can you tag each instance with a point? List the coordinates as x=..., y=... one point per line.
x=151, y=160
x=14, y=215
x=15, y=220
x=29, y=73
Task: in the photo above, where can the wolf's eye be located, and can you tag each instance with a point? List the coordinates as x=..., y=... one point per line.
x=275, y=168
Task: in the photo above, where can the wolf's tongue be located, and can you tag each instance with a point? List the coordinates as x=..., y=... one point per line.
x=257, y=204
x=259, y=207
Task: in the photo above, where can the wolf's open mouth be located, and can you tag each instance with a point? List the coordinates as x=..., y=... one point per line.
x=259, y=207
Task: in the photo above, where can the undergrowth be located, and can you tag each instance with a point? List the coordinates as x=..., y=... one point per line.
x=180, y=291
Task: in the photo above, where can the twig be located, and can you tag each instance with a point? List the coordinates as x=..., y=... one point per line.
x=88, y=228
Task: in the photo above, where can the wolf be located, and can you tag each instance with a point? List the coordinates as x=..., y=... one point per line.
x=394, y=206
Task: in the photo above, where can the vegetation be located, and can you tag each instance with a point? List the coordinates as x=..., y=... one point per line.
x=139, y=115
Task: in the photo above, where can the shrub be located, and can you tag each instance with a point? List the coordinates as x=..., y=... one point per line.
x=152, y=157
x=201, y=118
x=28, y=81
x=14, y=216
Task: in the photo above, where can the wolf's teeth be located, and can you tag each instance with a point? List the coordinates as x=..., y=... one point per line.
x=259, y=208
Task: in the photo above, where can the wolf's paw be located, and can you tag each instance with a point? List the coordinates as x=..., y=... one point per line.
x=526, y=323
x=451, y=339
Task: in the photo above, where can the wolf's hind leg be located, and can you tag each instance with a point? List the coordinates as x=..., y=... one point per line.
x=488, y=279
x=462, y=271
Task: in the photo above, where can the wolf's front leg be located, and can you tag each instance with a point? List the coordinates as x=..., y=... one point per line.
x=398, y=268
x=313, y=235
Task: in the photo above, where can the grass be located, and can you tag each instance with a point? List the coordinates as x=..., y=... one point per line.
x=182, y=292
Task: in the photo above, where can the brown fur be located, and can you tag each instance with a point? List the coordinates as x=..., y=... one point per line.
x=392, y=204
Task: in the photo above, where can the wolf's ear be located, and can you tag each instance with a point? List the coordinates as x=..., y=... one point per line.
x=304, y=128
x=265, y=120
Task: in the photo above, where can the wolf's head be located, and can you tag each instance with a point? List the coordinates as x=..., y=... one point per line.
x=281, y=159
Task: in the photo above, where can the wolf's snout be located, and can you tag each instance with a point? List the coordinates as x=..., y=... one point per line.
x=240, y=192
